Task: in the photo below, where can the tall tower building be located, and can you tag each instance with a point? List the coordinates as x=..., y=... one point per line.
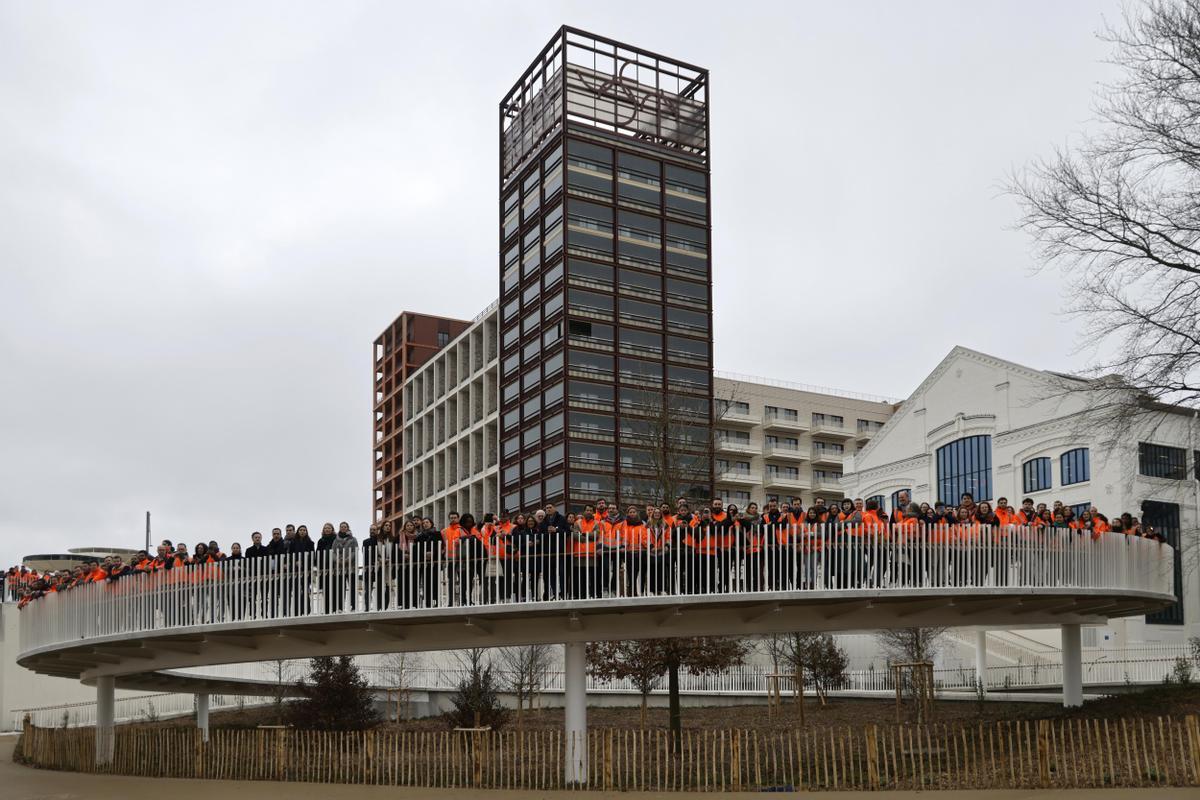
x=605, y=277
x=406, y=344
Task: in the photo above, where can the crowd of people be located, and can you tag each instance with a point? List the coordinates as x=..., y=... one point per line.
x=601, y=551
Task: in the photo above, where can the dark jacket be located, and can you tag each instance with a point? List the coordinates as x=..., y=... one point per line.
x=257, y=551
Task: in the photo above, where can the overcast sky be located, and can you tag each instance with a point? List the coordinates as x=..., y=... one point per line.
x=209, y=210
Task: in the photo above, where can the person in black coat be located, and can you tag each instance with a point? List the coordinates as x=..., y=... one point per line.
x=428, y=552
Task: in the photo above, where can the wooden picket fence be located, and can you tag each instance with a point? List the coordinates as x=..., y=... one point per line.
x=1075, y=753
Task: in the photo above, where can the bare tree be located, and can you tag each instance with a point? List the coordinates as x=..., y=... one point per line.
x=524, y=671
x=815, y=657
x=396, y=673
x=911, y=644
x=680, y=445
x=283, y=674
x=1118, y=213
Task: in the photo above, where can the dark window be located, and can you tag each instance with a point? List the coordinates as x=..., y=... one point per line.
x=590, y=271
x=552, y=276
x=641, y=312
x=554, y=487
x=1036, y=474
x=1164, y=518
x=591, y=362
x=553, y=395
x=640, y=399
x=638, y=179
x=590, y=227
x=532, y=465
x=554, y=456
x=965, y=466
x=688, y=377
x=512, y=502
x=511, y=310
x=634, y=458
x=1160, y=461
x=512, y=446
x=531, y=407
x=586, y=302
x=510, y=393
x=637, y=341
x=443, y=338
x=590, y=392
x=636, y=369
x=692, y=320
x=594, y=331
x=591, y=423
x=640, y=239
x=640, y=282
x=687, y=349
x=687, y=291
x=552, y=334
x=597, y=456
x=512, y=474
x=587, y=483
x=554, y=425
x=1074, y=466
x=553, y=304
x=682, y=404
x=530, y=437
x=553, y=364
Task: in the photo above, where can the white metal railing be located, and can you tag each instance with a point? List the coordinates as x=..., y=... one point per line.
x=519, y=569
x=136, y=708
x=1098, y=670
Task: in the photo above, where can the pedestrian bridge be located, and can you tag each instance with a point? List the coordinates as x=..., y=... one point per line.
x=134, y=632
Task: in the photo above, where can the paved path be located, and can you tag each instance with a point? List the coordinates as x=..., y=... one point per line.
x=23, y=783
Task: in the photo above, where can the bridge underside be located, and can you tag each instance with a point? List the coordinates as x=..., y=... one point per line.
x=145, y=663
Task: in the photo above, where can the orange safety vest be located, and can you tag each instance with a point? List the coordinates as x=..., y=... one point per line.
x=451, y=535
x=496, y=543
x=587, y=548
x=635, y=537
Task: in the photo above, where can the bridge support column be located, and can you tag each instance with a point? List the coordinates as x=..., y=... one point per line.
x=1072, y=665
x=202, y=715
x=105, y=700
x=981, y=660
x=575, y=770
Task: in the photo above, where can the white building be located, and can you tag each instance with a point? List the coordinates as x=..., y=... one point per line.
x=997, y=429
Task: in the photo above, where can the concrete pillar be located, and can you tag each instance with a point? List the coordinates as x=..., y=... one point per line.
x=575, y=771
x=202, y=715
x=981, y=659
x=1072, y=665
x=105, y=698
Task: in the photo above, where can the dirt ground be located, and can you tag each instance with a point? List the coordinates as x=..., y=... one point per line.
x=840, y=712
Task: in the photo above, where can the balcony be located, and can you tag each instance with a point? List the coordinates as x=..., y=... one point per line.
x=732, y=418
x=780, y=480
x=784, y=452
x=824, y=455
x=739, y=477
x=735, y=446
x=864, y=434
x=831, y=430
x=779, y=422
x=827, y=486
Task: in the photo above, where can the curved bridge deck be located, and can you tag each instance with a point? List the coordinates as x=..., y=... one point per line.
x=779, y=580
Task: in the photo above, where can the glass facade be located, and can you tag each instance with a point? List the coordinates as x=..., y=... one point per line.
x=965, y=466
x=604, y=262
x=1036, y=474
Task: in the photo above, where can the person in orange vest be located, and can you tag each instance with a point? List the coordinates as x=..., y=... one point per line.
x=585, y=576
x=750, y=545
x=718, y=547
x=901, y=507
x=636, y=540
x=610, y=554
x=1006, y=515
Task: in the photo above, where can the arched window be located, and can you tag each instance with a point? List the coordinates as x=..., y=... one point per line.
x=1036, y=473
x=1075, y=466
x=965, y=466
